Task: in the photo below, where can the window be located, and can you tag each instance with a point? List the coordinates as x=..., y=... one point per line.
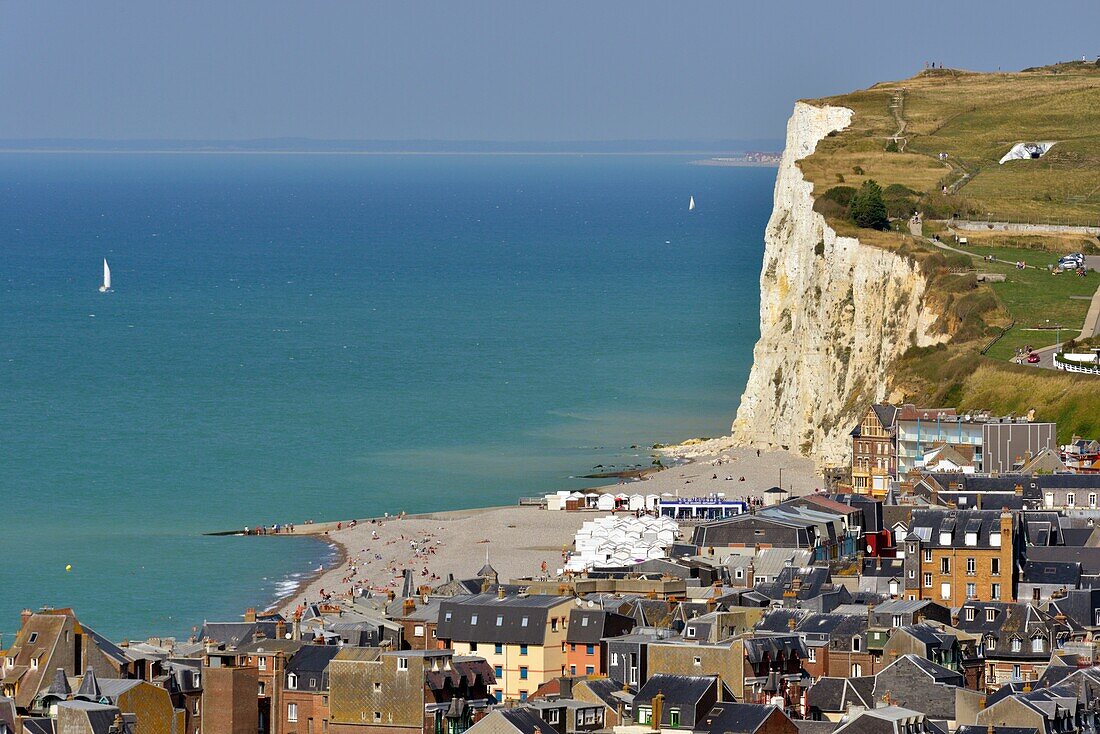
x=971, y=591
x=402, y=663
x=523, y=672
x=995, y=540
x=1071, y=499
x=292, y=712
x=811, y=654
x=1016, y=644
x=309, y=725
x=590, y=649
x=292, y=681
x=377, y=687
x=523, y=649
x=857, y=643
x=857, y=670
x=970, y=612
x=523, y=695
x=473, y=647
x=263, y=688
x=990, y=642
x=1092, y=499
x=261, y=662
x=927, y=555
x=928, y=580
x=498, y=671
x=945, y=591
x=552, y=716
x=498, y=649
x=523, y=622
x=498, y=695
x=447, y=617
x=584, y=621
x=195, y=680
x=418, y=630
x=34, y=663
x=572, y=670
x=697, y=660
x=589, y=670
x=990, y=614
x=554, y=624
x=945, y=565
x=377, y=715
x=912, y=574
x=500, y=620
x=995, y=592
x=896, y=621
x=33, y=638
x=1016, y=671
x=971, y=566
x=195, y=708
x=1037, y=644
x=945, y=538
x=691, y=632
x=995, y=566
x=644, y=714
x=739, y=573
x=473, y=620
x=674, y=718
x=893, y=588
x=971, y=539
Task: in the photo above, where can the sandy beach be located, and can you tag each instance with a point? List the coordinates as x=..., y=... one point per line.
x=376, y=552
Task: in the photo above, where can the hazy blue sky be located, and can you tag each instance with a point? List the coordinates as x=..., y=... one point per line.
x=505, y=70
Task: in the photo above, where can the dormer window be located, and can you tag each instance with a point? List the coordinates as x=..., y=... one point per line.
x=691, y=632
x=34, y=663
x=1037, y=643
x=991, y=614
x=970, y=611
x=500, y=620
x=473, y=620
x=33, y=638
x=1016, y=644
x=971, y=539
x=945, y=538
x=995, y=540
x=292, y=681
x=990, y=642
x=196, y=678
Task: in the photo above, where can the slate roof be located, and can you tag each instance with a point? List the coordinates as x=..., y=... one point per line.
x=310, y=663
x=937, y=673
x=524, y=720
x=837, y=694
x=929, y=525
x=232, y=634
x=735, y=718
x=1051, y=572
x=38, y=725
x=774, y=646
x=685, y=690
x=812, y=582
x=523, y=619
x=587, y=626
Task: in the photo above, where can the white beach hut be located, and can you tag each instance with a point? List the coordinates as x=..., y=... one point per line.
x=606, y=502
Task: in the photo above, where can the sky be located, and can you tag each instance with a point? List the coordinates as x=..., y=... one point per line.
x=506, y=70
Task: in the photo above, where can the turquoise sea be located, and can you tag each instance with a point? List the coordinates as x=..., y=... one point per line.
x=324, y=336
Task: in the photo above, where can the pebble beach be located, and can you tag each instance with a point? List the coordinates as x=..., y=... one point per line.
x=375, y=552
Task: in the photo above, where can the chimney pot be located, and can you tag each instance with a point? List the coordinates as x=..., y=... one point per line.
x=250, y=614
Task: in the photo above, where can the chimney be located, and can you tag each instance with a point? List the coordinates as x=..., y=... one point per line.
x=500, y=591
x=791, y=623
x=408, y=607
x=1019, y=490
x=391, y=595
x=565, y=685
x=250, y=614
x=25, y=616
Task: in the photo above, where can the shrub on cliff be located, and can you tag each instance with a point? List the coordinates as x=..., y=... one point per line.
x=834, y=202
x=868, y=209
x=901, y=201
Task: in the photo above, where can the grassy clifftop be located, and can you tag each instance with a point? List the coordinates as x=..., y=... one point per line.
x=934, y=142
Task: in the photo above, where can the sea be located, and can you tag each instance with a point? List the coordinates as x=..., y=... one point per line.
x=295, y=337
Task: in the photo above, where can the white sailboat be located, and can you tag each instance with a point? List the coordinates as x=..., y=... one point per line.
x=106, y=287
x=691, y=203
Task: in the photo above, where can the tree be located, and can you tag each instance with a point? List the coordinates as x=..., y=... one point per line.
x=868, y=208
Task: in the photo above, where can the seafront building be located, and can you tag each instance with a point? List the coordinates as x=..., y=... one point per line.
x=968, y=596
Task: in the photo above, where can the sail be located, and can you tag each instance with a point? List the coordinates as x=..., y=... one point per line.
x=691, y=203
x=106, y=275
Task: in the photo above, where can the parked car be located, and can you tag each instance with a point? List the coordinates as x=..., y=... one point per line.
x=1033, y=358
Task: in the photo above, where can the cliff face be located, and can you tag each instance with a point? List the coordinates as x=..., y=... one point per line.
x=834, y=315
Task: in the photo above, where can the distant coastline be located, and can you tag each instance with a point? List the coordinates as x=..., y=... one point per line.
x=748, y=160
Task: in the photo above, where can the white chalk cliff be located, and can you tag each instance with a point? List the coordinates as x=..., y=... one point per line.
x=834, y=315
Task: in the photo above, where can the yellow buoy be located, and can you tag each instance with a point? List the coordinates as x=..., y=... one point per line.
x=68, y=567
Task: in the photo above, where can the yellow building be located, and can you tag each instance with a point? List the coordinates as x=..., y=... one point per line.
x=521, y=636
